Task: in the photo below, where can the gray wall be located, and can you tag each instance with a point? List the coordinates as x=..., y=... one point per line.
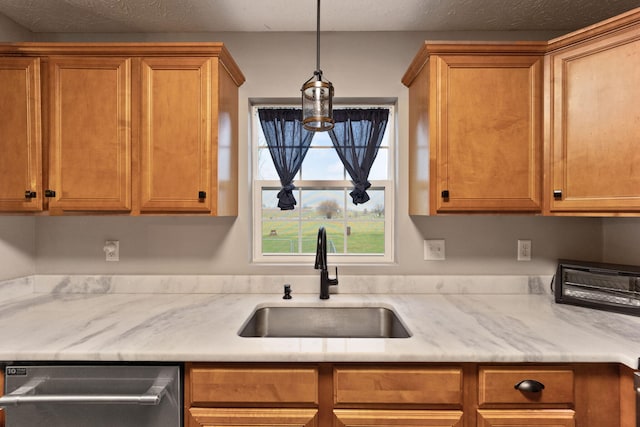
x=10, y=31
x=621, y=240
x=17, y=234
x=275, y=65
x=17, y=246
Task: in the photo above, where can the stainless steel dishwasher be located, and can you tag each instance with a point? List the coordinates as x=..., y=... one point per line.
x=636, y=384
x=93, y=395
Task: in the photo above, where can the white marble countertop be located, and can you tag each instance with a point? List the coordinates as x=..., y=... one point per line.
x=98, y=325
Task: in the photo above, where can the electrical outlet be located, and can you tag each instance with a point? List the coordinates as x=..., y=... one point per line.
x=434, y=250
x=112, y=250
x=524, y=250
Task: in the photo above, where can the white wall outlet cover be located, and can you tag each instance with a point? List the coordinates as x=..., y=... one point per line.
x=524, y=250
x=112, y=250
x=434, y=250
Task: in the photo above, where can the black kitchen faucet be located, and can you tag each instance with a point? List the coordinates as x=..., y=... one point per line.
x=321, y=264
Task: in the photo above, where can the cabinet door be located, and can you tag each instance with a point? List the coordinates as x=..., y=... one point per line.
x=595, y=125
x=499, y=385
x=248, y=417
x=177, y=157
x=253, y=385
x=90, y=134
x=362, y=386
x=526, y=418
x=20, y=137
x=488, y=132
x=404, y=418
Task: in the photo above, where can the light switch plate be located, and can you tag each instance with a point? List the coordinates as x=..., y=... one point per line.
x=434, y=250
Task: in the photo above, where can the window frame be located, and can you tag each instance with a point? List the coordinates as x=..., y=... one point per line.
x=388, y=185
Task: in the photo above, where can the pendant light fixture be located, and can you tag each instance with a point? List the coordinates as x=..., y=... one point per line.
x=317, y=95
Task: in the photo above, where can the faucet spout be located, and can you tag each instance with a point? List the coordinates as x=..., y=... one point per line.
x=321, y=264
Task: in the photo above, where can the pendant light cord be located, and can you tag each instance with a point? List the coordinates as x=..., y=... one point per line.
x=318, y=43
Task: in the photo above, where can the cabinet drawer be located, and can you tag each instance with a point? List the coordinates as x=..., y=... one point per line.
x=404, y=418
x=254, y=385
x=527, y=418
x=497, y=385
x=399, y=386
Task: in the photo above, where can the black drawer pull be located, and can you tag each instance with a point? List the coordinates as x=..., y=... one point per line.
x=529, y=386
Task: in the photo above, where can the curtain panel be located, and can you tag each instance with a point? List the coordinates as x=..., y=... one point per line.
x=288, y=144
x=356, y=136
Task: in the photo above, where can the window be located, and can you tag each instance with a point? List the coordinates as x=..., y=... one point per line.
x=360, y=233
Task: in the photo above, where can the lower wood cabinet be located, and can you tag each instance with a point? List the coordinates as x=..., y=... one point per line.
x=526, y=396
x=405, y=418
x=410, y=394
x=397, y=385
x=526, y=418
x=219, y=417
x=361, y=392
x=248, y=395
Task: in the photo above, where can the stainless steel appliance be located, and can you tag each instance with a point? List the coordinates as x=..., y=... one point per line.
x=636, y=384
x=611, y=287
x=92, y=395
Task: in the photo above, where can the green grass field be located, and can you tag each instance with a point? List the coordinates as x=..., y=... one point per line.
x=366, y=235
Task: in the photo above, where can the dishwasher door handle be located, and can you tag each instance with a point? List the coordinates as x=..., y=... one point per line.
x=24, y=395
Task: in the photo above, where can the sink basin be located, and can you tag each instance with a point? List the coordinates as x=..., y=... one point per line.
x=324, y=322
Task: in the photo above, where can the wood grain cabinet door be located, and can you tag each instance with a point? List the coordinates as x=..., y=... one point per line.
x=397, y=418
x=177, y=158
x=526, y=418
x=90, y=134
x=595, y=125
x=487, y=140
x=20, y=135
x=251, y=417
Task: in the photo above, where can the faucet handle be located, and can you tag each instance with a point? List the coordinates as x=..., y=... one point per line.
x=334, y=281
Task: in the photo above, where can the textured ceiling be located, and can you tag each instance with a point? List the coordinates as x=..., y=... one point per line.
x=299, y=15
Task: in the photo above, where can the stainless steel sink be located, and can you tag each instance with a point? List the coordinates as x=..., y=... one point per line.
x=324, y=322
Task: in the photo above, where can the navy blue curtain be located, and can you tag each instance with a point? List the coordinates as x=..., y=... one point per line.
x=356, y=136
x=288, y=143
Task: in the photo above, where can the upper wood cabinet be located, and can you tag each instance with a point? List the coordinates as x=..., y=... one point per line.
x=20, y=135
x=593, y=119
x=129, y=128
x=475, y=128
x=189, y=136
x=89, y=134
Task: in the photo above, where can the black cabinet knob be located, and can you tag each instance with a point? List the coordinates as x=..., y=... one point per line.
x=30, y=194
x=445, y=194
x=202, y=195
x=557, y=194
x=49, y=193
x=529, y=386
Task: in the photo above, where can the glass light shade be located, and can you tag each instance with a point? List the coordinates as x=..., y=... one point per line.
x=317, y=104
